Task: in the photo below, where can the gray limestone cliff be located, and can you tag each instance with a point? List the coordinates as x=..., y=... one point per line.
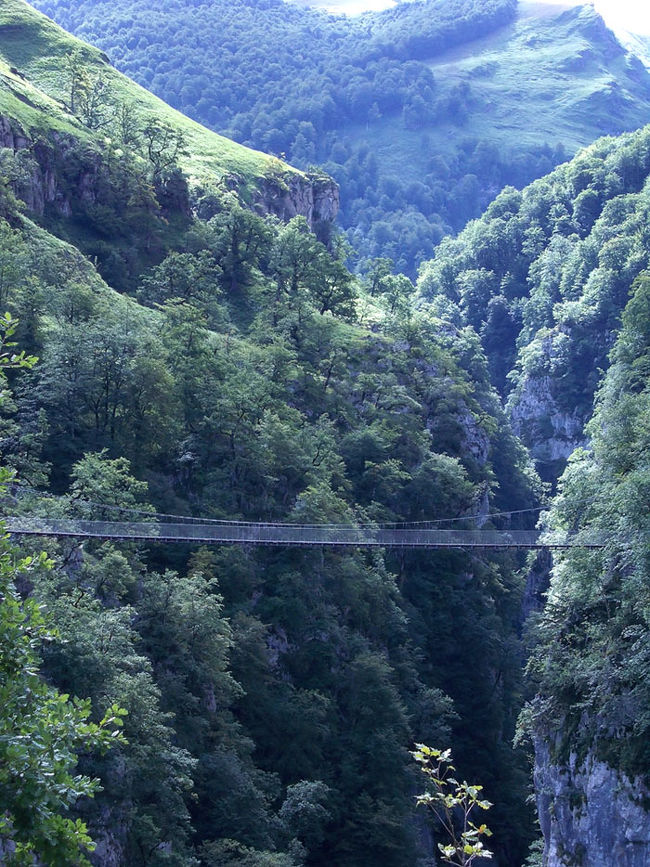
x=590, y=815
x=312, y=196
x=52, y=179
x=552, y=433
x=54, y=171
x=540, y=408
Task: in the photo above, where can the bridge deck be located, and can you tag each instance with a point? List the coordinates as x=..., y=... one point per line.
x=288, y=534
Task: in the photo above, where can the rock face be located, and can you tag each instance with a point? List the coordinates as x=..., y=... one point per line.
x=50, y=187
x=10, y=136
x=43, y=184
x=540, y=413
x=590, y=815
x=314, y=197
x=551, y=433
x=538, y=577
x=475, y=440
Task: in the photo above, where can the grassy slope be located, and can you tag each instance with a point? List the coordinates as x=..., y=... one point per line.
x=36, y=47
x=553, y=76
x=640, y=45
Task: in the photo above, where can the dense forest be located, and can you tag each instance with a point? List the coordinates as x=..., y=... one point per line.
x=418, y=145
x=271, y=695
x=554, y=280
x=183, y=336
x=590, y=658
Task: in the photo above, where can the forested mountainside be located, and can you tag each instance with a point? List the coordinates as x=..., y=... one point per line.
x=543, y=277
x=240, y=372
x=88, y=138
x=202, y=351
x=422, y=113
x=590, y=663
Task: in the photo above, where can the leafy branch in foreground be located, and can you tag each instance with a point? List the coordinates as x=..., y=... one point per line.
x=42, y=731
x=10, y=360
x=452, y=803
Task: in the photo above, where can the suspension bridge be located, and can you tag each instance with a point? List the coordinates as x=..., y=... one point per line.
x=331, y=535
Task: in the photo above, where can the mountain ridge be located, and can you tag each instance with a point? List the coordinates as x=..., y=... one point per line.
x=407, y=131
x=26, y=36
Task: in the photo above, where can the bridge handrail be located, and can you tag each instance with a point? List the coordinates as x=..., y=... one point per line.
x=299, y=534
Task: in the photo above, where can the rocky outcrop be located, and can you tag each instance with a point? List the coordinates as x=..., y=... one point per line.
x=551, y=433
x=590, y=815
x=538, y=577
x=540, y=413
x=52, y=181
x=47, y=179
x=109, y=851
x=11, y=136
x=312, y=196
x=476, y=441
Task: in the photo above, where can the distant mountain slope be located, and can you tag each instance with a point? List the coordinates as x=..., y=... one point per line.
x=639, y=45
x=35, y=85
x=422, y=112
x=89, y=132
x=552, y=73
